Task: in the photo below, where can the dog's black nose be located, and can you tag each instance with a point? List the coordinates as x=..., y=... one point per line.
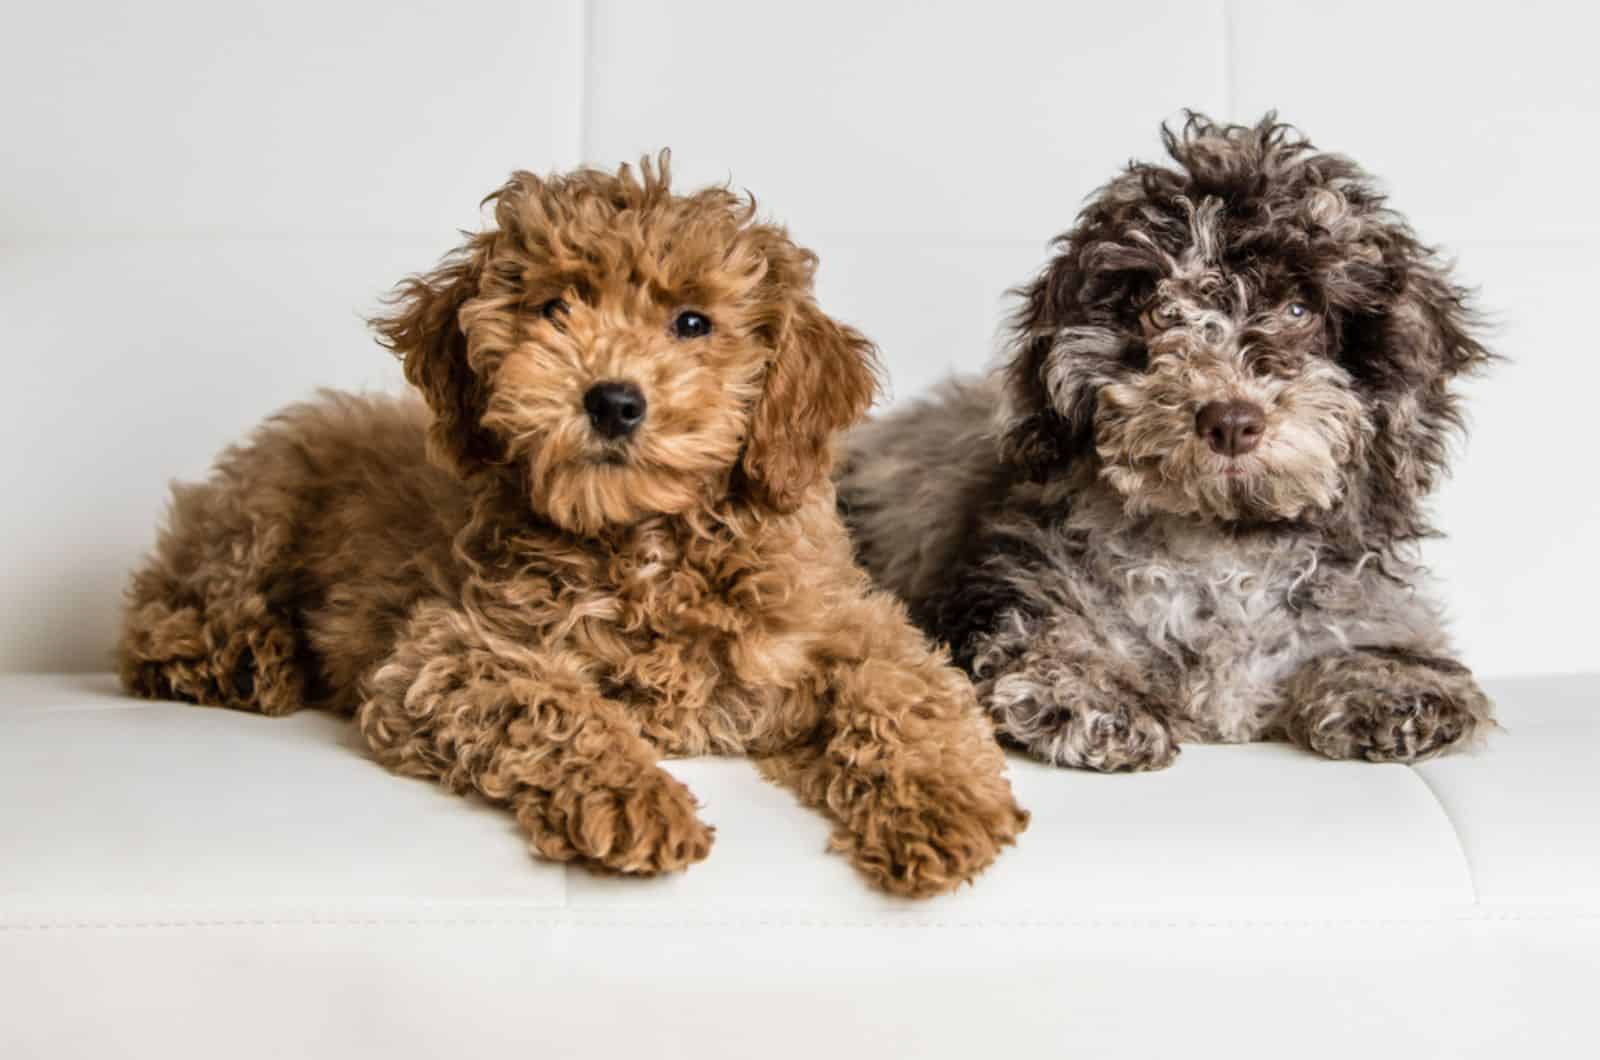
x=1232, y=428
x=615, y=409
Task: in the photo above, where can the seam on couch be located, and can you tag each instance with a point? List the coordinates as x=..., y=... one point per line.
x=1474, y=917
x=1455, y=830
x=586, y=48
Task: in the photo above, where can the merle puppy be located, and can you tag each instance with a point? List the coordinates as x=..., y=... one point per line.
x=1186, y=507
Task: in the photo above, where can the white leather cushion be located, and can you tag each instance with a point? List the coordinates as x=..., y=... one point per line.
x=196, y=880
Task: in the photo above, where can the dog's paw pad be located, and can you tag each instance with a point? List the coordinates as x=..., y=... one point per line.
x=1108, y=740
x=642, y=829
x=934, y=835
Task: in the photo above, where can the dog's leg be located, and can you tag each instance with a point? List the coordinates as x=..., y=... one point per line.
x=901, y=758
x=1067, y=696
x=527, y=729
x=207, y=617
x=1383, y=705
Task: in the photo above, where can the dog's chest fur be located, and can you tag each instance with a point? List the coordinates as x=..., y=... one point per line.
x=690, y=634
x=1220, y=618
x=1209, y=623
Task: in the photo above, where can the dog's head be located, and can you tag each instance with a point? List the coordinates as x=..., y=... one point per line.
x=1249, y=336
x=627, y=351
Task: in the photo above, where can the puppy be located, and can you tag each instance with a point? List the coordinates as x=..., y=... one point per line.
x=1187, y=506
x=609, y=536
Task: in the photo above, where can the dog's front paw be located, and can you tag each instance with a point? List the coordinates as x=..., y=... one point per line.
x=642, y=828
x=1384, y=705
x=923, y=837
x=1082, y=731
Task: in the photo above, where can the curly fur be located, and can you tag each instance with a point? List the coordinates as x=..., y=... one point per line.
x=1114, y=582
x=516, y=605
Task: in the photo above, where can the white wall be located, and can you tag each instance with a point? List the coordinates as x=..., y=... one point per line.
x=200, y=200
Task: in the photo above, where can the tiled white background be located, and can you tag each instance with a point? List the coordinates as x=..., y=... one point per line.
x=199, y=202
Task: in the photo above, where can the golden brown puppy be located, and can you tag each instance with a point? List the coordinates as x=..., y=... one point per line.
x=609, y=536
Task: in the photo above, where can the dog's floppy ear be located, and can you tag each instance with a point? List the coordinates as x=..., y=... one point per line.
x=423, y=328
x=1406, y=352
x=823, y=378
x=1039, y=429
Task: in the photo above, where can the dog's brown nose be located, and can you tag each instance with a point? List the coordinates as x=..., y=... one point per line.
x=1232, y=428
x=615, y=409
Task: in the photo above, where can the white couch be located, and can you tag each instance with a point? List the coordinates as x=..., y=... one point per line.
x=177, y=881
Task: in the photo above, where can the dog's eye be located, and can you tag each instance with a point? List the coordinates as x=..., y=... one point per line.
x=1297, y=310
x=691, y=325
x=554, y=309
